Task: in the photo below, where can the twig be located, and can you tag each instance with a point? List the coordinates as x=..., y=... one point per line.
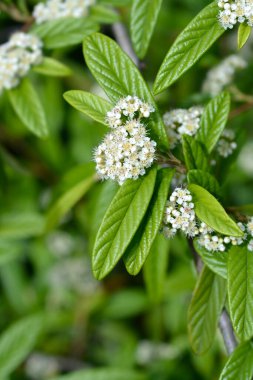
x=123, y=40
x=14, y=13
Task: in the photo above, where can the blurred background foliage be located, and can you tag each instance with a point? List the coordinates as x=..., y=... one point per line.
x=114, y=323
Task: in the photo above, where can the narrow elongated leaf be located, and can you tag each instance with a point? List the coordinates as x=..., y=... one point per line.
x=155, y=268
x=144, y=14
x=244, y=31
x=27, y=105
x=64, y=32
x=17, y=342
x=141, y=245
x=52, y=67
x=204, y=179
x=194, y=154
x=21, y=225
x=210, y=211
x=240, y=364
x=104, y=14
x=214, y=120
x=90, y=104
x=121, y=222
x=216, y=261
x=119, y=77
x=240, y=290
x=190, y=45
x=103, y=374
x=205, y=308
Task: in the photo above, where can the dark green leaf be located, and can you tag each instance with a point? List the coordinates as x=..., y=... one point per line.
x=52, y=67
x=244, y=31
x=204, y=179
x=240, y=364
x=194, y=154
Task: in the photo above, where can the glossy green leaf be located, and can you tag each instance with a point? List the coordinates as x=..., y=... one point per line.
x=190, y=45
x=103, y=374
x=119, y=77
x=144, y=14
x=205, y=309
x=240, y=364
x=104, y=14
x=240, y=291
x=26, y=103
x=52, y=67
x=210, y=211
x=155, y=268
x=204, y=179
x=64, y=32
x=194, y=154
x=91, y=105
x=214, y=120
x=244, y=32
x=216, y=261
x=17, y=342
x=121, y=222
x=139, y=249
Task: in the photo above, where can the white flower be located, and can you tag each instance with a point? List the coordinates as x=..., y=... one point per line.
x=226, y=146
x=250, y=226
x=250, y=245
x=232, y=12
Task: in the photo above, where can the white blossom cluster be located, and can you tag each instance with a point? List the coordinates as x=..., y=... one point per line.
x=233, y=12
x=127, y=151
x=250, y=233
x=180, y=122
x=56, y=9
x=22, y=51
x=40, y=366
x=226, y=144
x=223, y=74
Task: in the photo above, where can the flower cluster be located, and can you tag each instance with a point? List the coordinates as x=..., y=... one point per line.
x=223, y=74
x=237, y=11
x=226, y=144
x=55, y=9
x=127, y=151
x=16, y=58
x=180, y=122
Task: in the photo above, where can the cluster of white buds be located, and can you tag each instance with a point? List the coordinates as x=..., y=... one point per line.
x=223, y=74
x=55, y=9
x=127, y=151
x=16, y=58
x=226, y=144
x=179, y=214
x=180, y=122
x=233, y=12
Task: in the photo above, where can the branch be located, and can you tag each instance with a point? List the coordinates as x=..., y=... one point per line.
x=123, y=40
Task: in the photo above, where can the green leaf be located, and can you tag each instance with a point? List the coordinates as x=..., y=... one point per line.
x=204, y=179
x=90, y=104
x=64, y=32
x=214, y=120
x=26, y=103
x=216, y=261
x=204, y=311
x=120, y=222
x=210, y=211
x=103, y=374
x=240, y=291
x=104, y=14
x=155, y=268
x=139, y=248
x=17, y=342
x=244, y=31
x=9, y=250
x=240, y=364
x=119, y=77
x=21, y=225
x=52, y=67
x=194, y=154
x=144, y=14
x=190, y=45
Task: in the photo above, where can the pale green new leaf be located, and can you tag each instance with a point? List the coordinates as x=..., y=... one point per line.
x=204, y=179
x=103, y=374
x=17, y=342
x=214, y=120
x=155, y=268
x=91, y=105
x=190, y=45
x=244, y=32
x=240, y=291
x=144, y=14
x=121, y=222
x=26, y=103
x=51, y=67
x=216, y=261
x=240, y=364
x=119, y=77
x=145, y=236
x=210, y=211
x=205, y=308
x=194, y=154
